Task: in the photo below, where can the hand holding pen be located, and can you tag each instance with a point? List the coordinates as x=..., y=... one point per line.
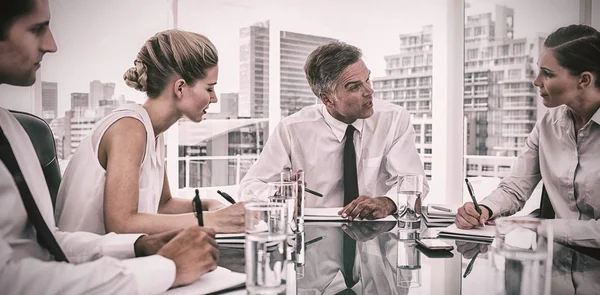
x=470, y=214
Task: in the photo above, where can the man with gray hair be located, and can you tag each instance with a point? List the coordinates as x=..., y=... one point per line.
x=351, y=148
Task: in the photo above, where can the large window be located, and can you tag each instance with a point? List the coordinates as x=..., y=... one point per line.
x=258, y=85
x=506, y=103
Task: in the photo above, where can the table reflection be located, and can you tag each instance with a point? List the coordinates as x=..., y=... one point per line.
x=386, y=260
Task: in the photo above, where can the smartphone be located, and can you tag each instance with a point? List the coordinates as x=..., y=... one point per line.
x=435, y=245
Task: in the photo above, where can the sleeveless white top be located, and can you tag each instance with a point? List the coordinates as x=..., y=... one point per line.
x=80, y=200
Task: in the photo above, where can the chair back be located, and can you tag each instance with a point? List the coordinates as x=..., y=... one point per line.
x=546, y=209
x=43, y=142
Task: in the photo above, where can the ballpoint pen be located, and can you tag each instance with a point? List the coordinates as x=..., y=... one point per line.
x=472, y=193
x=313, y=192
x=197, y=206
x=440, y=208
x=470, y=266
x=226, y=196
x=313, y=241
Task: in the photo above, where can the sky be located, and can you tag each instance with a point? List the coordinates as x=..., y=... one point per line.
x=98, y=40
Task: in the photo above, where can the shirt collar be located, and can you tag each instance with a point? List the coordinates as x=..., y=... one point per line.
x=596, y=117
x=338, y=127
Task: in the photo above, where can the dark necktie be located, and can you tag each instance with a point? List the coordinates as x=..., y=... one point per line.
x=350, y=178
x=44, y=235
x=350, y=193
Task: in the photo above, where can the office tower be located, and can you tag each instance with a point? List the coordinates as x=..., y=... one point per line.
x=79, y=100
x=101, y=91
x=499, y=100
x=49, y=100
x=229, y=105
x=254, y=70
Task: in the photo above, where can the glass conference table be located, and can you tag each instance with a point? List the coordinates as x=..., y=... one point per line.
x=387, y=261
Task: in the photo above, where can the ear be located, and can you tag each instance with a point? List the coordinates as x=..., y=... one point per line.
x=178, y=88
x=327, y=99
x=586, y=79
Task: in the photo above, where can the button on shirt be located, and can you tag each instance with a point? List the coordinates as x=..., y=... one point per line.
x=312, y=140
x=28, y=268
x=570, y=169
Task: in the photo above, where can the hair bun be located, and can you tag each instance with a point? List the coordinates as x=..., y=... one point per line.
x=135, y=77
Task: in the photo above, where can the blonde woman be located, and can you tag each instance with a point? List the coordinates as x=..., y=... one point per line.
x=116, y=180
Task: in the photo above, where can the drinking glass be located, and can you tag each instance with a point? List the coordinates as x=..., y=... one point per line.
x=410, y=188
x=298, y=176
x=285, y=193
x=266, y=227
x=523, y=255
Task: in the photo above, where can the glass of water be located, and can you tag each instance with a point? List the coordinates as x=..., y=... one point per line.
x=410, y=188
x=523, y=255
x=266, y=227
x=298, y=176
x=285, y=193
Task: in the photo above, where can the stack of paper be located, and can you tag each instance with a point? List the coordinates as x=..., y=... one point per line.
x=436, y=215
x=219, y=280
x=331, y=214
x=231, y=240
x=478, y=234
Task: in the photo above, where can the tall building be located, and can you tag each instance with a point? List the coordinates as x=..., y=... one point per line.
x=79, y=100
x=254, y=70
x=499, y=100
x=49, y=100
x=100, y=91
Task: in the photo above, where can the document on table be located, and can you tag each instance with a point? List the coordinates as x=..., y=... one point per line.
x=331, y=214
x=231, y=240
x=485, y=234
x=217, y=280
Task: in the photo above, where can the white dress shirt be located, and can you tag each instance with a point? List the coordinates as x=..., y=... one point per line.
x=28, y=268
x=312, y=140
x=570, y=169
x=80, y=199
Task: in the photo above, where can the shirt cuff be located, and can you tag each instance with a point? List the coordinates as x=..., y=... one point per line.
x=153, y=274
x=492, y=206
x=120, y=246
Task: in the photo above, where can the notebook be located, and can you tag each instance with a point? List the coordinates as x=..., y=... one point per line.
x=331, y=214
x=217, y=280
x=483, y=234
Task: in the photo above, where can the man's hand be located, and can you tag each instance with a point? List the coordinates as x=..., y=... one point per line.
x=364, y=231
x=469, y=249
x=194, y=251
x=150, y=244
x=365, y=207
x=227, y=220
x=468, y=218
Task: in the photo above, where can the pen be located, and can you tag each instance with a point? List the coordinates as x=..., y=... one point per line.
x=470, y=266
x=472, y=193
x=313, y=241
x=313, y=192
x=197, y=206
x=441, y=208
x=226, y=196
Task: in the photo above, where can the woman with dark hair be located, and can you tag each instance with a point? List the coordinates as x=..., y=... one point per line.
x=563, y=148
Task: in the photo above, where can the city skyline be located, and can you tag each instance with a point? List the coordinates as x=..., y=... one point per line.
x=97, y=49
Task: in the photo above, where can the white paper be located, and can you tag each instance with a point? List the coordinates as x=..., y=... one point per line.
x=216, y=280
x=331, y=214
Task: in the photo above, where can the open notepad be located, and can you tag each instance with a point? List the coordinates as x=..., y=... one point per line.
x=479, y=234
x=331, y=214
x=217, y=280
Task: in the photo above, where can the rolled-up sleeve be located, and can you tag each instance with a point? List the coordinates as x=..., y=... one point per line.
x=515, y=189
